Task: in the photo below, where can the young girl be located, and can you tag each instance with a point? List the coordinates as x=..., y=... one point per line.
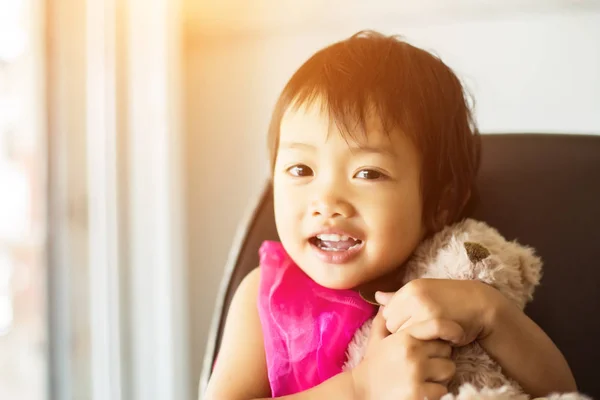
x=373, y=149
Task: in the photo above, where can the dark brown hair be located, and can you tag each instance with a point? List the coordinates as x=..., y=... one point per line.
x=410, y=90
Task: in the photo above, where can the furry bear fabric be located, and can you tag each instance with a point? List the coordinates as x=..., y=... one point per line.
x=473, y=250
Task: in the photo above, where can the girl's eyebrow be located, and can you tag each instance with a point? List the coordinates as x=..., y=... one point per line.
x=383, y=150
x=386, y=151
x=297, y=145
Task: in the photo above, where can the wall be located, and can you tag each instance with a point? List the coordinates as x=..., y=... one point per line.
x=530, y=69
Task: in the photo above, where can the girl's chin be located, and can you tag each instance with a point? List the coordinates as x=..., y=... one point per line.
x=335, y=285
x=335, y=280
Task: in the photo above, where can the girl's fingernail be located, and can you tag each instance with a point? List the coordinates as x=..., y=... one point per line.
x=382, y=298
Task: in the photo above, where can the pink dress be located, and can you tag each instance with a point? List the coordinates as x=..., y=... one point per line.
x=306, y=327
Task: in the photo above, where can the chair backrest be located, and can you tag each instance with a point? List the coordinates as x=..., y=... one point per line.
x=542, y=190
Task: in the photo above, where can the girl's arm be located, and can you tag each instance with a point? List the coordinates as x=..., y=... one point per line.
x=525, y=352
x=407, y=363
x=241, y=370
x=522, y=349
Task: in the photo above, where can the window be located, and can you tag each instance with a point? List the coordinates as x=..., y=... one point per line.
x=23, y=294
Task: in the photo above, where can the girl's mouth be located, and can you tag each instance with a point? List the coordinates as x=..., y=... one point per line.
x=335, y=248
x=334, y=242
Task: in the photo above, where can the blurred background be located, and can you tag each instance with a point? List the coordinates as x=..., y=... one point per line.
x=132, y=141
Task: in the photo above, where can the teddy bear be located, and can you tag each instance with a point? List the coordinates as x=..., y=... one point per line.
x=472, y=250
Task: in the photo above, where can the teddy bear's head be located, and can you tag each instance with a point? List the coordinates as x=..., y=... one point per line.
x=473, y=250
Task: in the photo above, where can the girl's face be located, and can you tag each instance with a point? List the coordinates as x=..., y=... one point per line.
x=346, y=212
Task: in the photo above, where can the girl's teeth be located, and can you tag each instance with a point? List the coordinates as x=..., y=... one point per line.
x=332, y=237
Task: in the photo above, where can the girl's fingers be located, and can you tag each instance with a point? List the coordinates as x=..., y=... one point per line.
x=394, y=326
x=440, y=370
x=438, y=349
x=384, y=298
x=397, y=310
x=434, y=329
x=378, y=328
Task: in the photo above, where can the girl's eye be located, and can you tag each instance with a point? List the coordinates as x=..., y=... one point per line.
x=369, y=174
x=300, y=170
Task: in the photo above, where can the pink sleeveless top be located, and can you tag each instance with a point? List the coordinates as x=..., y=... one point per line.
x=306, y=327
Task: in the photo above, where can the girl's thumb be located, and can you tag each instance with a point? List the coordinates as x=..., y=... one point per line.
x=378, y=329
x=383, y=298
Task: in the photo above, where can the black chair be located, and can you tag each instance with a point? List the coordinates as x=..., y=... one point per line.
x=541, y=189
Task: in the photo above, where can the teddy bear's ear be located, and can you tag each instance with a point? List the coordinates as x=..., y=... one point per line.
x=531, y=270
x=476, y=252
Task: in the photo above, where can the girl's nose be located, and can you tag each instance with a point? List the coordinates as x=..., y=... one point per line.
x=329, y=206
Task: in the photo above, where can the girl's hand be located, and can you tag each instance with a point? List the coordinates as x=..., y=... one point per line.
x=410, y=364
x=522, y=349
x=471, y=304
